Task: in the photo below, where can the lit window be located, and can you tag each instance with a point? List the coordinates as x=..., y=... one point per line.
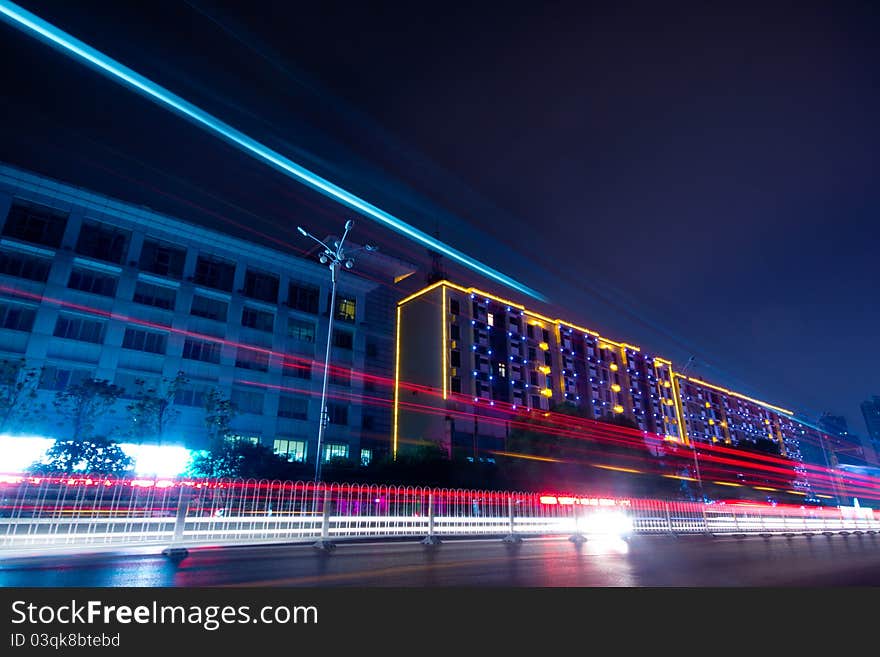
x=294, y=450
x=345, y=309
x=491, y=319
x=366, y=456
x=335, y=450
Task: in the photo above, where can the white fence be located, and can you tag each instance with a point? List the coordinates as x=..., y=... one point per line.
x=83, y=512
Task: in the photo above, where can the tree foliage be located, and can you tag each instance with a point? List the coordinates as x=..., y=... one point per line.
x=240, y=458
x=19, y=402
x=91, y=456
x=79, y=406
x=219, y=413
x=152, y=411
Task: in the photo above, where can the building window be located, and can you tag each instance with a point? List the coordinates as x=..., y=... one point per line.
x=56, y=378
x=247, y=401
x=139, y=340
x=366, y=457
x=335, y=451
x=87, y=280
x=250, y=359
x=162, y=259
x=300, y=329
x=455, y=359
x=239, y=438
x=79, y=328
x=340, y=376
x=294, y=408
x=372, y=350
x=368, y=422
x=21, y=265
x=338, y=413
x=502, y=370
x=34, y=223
x=154, y=295
x=209, y=308
x=454, y=306
x=293, y=450
x=455, y=384
x=490, y=319
x=455, y=332
x=191, y=395
x=208, y=352
x=102, y=242
x=301, y=296
x=257, y=319
x=260, y=286
x=214, y=272
x=345, y=309
x=298, y=369
x=343, y=339
x=16, y=317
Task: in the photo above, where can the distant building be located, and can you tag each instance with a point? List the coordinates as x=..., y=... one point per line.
x=92, y=287
x=871, y=413
x=467, y=359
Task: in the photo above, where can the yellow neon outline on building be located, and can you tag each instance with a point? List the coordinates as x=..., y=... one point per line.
x=445, y=343
x=679, y=409
x=396, y=381
x=736, y=394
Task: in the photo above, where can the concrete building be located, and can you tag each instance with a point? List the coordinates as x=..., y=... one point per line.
x=871, y=413
x=467, y=359
x=92, y=287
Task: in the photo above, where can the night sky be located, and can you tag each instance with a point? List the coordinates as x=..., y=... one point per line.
x=698, y=182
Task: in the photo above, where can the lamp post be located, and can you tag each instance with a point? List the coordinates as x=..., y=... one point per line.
x=334, y=258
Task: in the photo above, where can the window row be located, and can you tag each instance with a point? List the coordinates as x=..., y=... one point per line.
x=37, y=224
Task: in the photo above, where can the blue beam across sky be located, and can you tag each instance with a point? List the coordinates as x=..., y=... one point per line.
x=35, y=26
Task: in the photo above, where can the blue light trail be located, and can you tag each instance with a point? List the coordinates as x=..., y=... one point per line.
x=35, y=26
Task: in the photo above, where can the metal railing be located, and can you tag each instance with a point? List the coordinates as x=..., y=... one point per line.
x=82, y=513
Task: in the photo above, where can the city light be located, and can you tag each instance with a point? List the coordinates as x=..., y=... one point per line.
x=163, y=461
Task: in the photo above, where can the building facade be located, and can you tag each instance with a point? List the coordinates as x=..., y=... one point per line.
x=871, y=413
x=91, y=287
x=469, y=357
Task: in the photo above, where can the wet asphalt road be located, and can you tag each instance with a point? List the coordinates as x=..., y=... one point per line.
x=644, y=561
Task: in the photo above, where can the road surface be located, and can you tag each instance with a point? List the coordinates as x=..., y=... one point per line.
x=644, y=561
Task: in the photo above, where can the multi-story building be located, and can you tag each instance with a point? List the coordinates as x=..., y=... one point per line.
x=464, y=350
x=467, y=359
x=91, y=287
x=871, y=412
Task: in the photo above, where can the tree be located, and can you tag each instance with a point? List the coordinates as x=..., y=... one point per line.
x=19, y=405
x=80, y=405
x=219, y=412
x=152, y=411
x=239, y=458
x=92, y=456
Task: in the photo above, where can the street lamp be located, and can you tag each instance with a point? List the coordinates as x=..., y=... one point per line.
x=334, y=258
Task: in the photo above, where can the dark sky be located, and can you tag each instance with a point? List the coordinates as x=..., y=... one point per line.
x=697, y=181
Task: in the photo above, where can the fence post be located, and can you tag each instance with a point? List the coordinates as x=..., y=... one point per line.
x=705, y=518
x=668, y=519
x=430, y=539
x=512, y=536
x=324, y=543
x=176, y=550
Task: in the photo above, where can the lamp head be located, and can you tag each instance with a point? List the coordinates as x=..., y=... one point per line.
x=302, y=231
x=323, y=259
x=370, y=247
x=349, y=224
x=349, y=263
